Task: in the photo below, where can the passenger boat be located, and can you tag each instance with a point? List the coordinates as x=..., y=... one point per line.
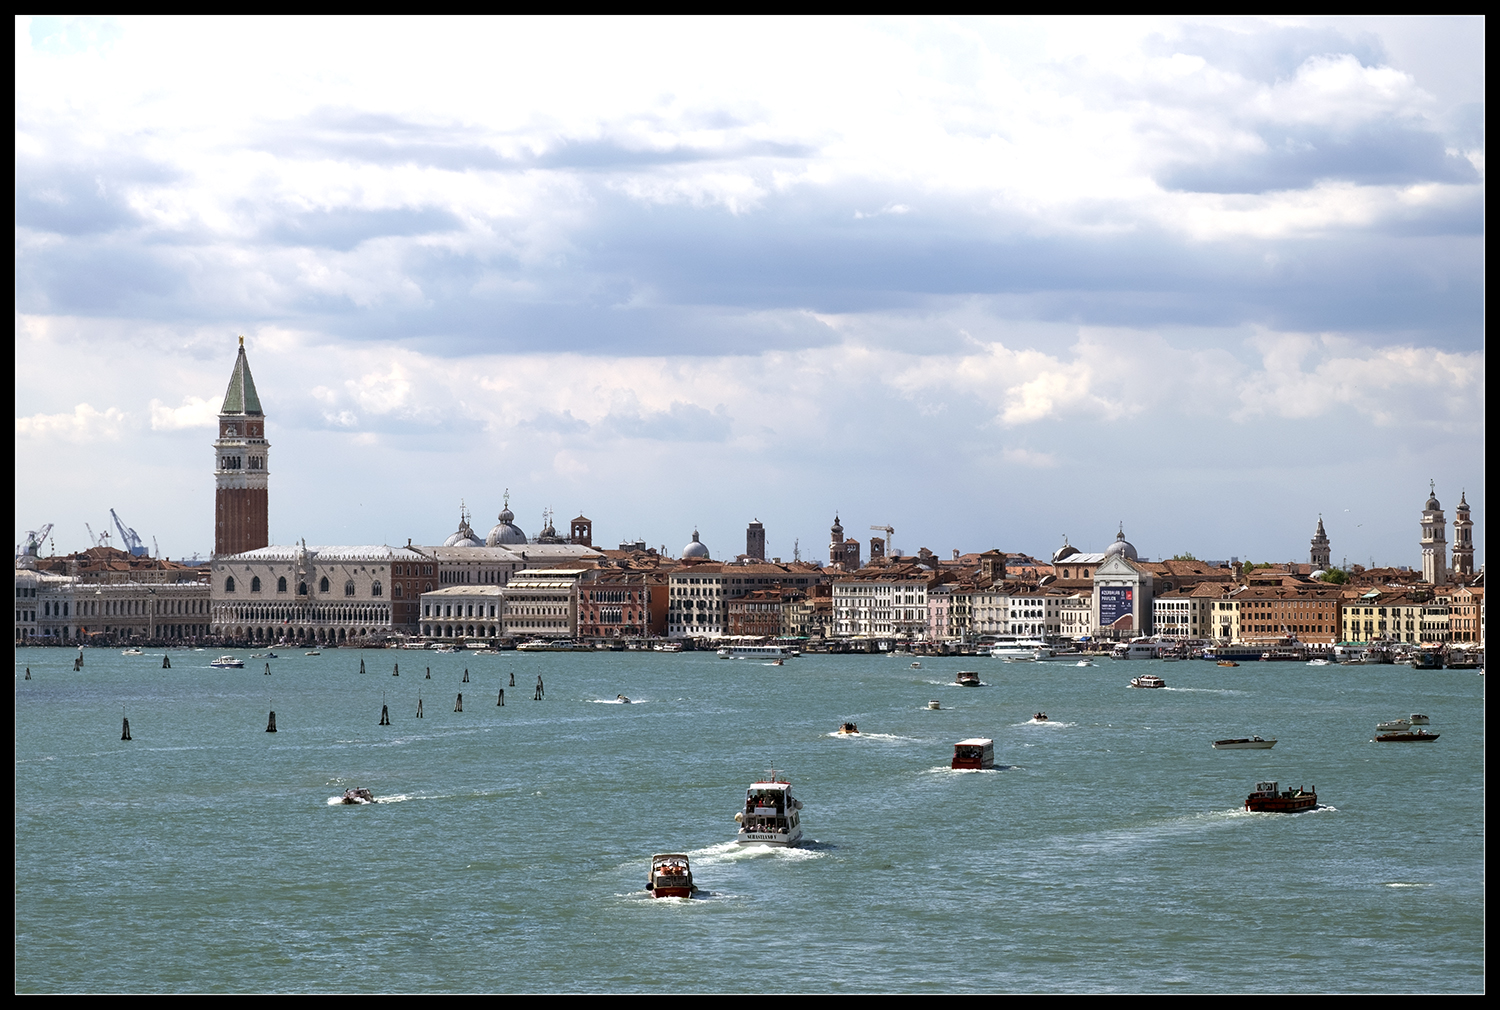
x=974, y=753
x=770, y=816
x=1267, y=800
x=967, y=678
x=670, y=876
x=776, y=652
x=1013, y=647
x=667, y=647
x=1147, y=680
x=228, y=663
x=353, y=797
x=551, y=645
x=1244, y=743
x=848, y=729
x=1427, y=659
x=1413, y=736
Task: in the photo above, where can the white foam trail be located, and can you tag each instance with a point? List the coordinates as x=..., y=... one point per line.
x=1046, y=722
x=734, y=852
x=619, y=701
x=868, y=736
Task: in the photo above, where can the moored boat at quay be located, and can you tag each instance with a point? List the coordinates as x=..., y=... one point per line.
x=771, y=815
x=1268, y=800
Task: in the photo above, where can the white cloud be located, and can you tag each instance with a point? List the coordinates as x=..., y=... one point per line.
x=83, y=424
x=195, y=412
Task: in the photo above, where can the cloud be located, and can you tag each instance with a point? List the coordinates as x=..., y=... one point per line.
x=83, y=424
x=195, y=412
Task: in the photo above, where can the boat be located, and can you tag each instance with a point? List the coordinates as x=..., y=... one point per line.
x=1267, y=800
x=778, y=661
x=131, y=652
x=1013, y=647
x=622, y=699
x=667, y=647
x=1414, y=736
x=353, y=797
x=1393, y=725
x=228, y=663
x=934, y=705
x=1427, y=659
x=974, y=753
x=312, y=652
x=1040, y=717
x=967, y=678
x=1227, y=662
x=551, y=645
x=770, y=816
x=1244, y=743
x=670, y=876
x=1418, y=719
x=1085, y=662
x=916, y=666
x=1317, y=662
x=1147, y=680
x=848, y=729
x=754, y=652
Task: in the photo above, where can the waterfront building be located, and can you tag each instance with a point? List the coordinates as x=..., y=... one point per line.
x=1268, y=613
x=472, y=613
x=882, y=602
x=1075, y=613
x=542, y=603
x=807, y=614
x=755, y=614
x=695, y=602
x=1463, y=541
x=53, y=609
x=307, y=594
x=1434, y=541
x=110, y=564
x=1123, y=591
x=241, y=467
x=1190, y=612
x=1465, y=615
x=1321, y=553
x=621, y=603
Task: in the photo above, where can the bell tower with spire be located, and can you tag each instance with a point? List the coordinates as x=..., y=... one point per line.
x=1463, y=540
x=241, y=467
x=1321, y=555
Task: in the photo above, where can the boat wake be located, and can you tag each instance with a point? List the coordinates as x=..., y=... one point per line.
x=945, y=770
x=619, y=701
x=1207, y=690
x=870, y=736
x=1046, y=722
x=734, y=852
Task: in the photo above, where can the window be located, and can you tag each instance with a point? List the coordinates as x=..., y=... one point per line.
x=229, y=584
x=302, y=589
x=375, y=589
x=255, y=584
x=323, y=584
x=281, y=584
x=398, y=590
x=349, y=588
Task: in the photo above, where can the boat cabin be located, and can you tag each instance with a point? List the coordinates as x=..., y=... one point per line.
x=978, y=752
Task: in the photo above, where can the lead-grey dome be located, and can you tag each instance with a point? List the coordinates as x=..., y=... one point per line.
x=1067, y=550
x=1122, y=547
x=505, y=532
x=696, y=549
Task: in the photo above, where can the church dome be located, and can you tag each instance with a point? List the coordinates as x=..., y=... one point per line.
x=695, y=550
x=1064, y=552
x=1122, y=547
x=505, y=533
x=1433, y=504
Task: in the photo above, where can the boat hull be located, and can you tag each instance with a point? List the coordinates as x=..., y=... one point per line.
x=792, y=837
x=1244, y=744
x=1281, y=804
x=1407, y=737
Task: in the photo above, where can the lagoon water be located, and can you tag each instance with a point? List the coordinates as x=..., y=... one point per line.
x=510, y=847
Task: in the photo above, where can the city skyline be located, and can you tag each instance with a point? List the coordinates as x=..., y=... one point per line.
x=987, y=283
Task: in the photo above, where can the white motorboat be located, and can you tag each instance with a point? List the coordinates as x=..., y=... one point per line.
x=1244, y=743
x=771, y=814
x=671, y=876
x=1147, y=680
x=1393, y=725
x=227, y=663
x=1014, y=647
x=1418, y=719
x=131, y=652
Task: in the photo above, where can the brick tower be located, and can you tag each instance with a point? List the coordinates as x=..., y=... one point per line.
x=241, y=455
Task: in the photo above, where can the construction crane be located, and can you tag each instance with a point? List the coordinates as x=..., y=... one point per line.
x=33, y=542
x=93, y=540
x=129, y=537
x=890, y=538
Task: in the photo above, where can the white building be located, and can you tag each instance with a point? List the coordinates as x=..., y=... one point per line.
x=882, y=603
x=542, y=603
x=468, y=612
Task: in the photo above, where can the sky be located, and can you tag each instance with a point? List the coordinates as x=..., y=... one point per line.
x=990, y=283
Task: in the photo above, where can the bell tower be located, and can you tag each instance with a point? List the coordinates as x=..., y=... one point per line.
x=241, y=467
x=1463, y=541
x=1321, y=553
x=1434, y=541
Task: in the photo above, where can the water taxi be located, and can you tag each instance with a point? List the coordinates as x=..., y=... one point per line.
x=670, y=876
x=849, y=729
x=770, y=816
x=967, y=678
x=1244, y=743
x=227, y=663
x=974, y=753
x=355, y=797
x=1267, y=800
x=1147, y=680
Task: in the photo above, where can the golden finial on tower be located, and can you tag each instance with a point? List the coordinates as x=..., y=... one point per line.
x=242, y=341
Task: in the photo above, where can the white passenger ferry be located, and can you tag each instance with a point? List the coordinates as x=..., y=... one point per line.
x=1016, y=647
x=771, y=815
x=755, y=652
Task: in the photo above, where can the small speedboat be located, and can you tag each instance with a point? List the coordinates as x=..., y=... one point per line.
x=314, y=652
x=1418, y=719
x=934, y=705
x=227, y=663
x=354, y=797
x=622, y=699
x=1244, y=743
x=1228, y=662
x=1040, y=717
x=131, y=652
x=848, y=729
x=916, y=666
x=1393, y=725
x=967, y=678
x=1085, y=662
x=670, y=876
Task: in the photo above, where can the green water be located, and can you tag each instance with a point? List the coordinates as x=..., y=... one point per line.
x=1110, y=852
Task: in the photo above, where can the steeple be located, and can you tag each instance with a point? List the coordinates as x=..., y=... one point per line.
x=1463, y=541
x=1321, y=553
x=1434, y=541
x=240, y=397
